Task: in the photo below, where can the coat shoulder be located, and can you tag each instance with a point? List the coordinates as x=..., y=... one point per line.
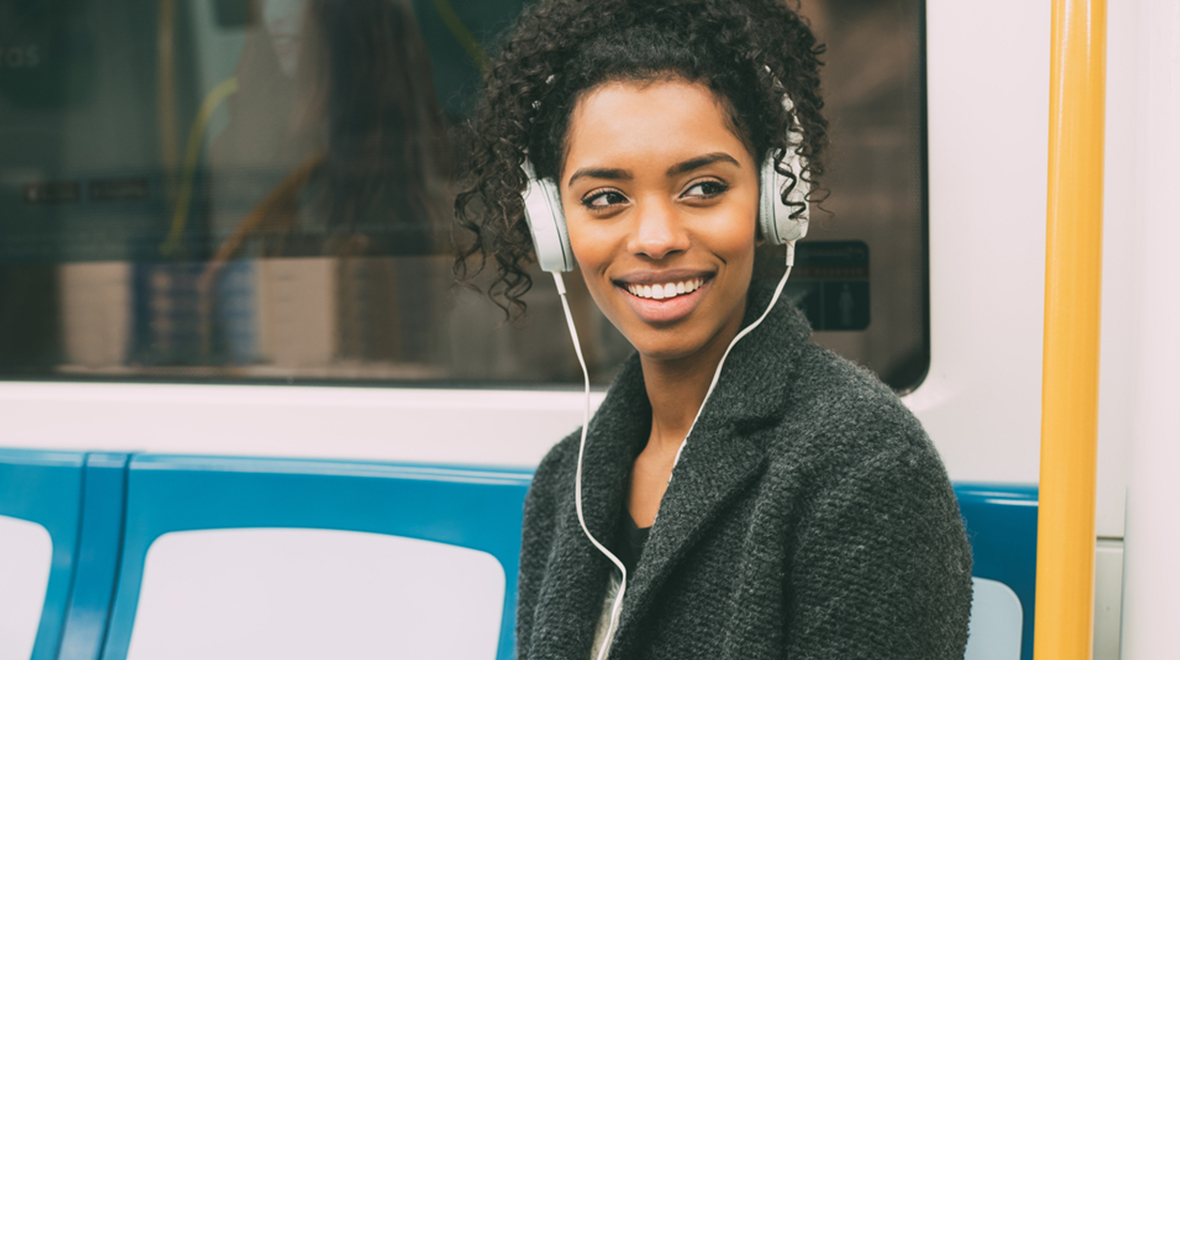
x=879, y=535
x=558, y=463
x=842, y=409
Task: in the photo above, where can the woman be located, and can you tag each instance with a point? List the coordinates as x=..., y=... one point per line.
x=807, y=515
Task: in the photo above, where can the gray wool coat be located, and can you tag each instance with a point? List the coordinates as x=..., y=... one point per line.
x=809, y=517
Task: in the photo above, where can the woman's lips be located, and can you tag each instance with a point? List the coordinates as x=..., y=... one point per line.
x=665, y=310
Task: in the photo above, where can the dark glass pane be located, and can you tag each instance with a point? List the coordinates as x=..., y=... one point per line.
x=261, y=189
x=875, y=101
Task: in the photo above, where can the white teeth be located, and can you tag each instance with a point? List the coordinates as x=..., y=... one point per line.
x=661, y=292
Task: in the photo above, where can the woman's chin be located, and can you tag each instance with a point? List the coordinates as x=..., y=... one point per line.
x=666, y=352
x=678, y=342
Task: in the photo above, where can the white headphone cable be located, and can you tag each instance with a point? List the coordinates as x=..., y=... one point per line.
x=604, y=649
x=744, y=332
x=610, y=555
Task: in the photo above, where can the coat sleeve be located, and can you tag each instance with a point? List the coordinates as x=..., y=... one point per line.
x=882, y=566
x=537, y=535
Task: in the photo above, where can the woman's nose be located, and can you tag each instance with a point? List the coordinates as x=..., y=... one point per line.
x=658, y=229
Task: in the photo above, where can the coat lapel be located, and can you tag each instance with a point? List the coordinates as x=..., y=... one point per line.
x=724, y=455
x=574, y=587
x=713, y=472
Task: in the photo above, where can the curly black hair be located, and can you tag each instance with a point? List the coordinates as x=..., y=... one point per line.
x=748, y=52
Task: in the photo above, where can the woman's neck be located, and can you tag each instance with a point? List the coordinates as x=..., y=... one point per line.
x=677, y=388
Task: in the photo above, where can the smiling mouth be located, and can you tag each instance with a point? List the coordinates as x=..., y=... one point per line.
x=665, y=292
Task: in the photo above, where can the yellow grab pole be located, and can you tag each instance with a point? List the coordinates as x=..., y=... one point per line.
x=1073, y=309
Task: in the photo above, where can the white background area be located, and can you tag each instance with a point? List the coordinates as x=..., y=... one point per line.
x=26, y=556
x=315, y=594
x=372, y=951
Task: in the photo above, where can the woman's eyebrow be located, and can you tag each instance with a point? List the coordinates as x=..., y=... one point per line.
x=702, y=161
x=601, y=174
x=689, y=165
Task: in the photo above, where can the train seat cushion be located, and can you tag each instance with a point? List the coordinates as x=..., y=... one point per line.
x=997, y=621
x=315, y=593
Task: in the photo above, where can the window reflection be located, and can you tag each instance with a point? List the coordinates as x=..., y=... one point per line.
x=261, y=189
x=873, y=92
x=335, y=142
x=283, y=20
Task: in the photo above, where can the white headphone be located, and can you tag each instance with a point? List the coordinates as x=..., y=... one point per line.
x=782, y=223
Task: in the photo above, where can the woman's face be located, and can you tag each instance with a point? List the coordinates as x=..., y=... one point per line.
x=661, y=200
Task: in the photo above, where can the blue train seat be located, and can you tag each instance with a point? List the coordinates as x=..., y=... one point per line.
x=100, y=538
x=61, y=526
x=1001, y=524
x=40, y=510
x=227, y=557
x=104, y=555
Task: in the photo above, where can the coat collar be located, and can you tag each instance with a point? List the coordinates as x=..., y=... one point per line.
x=724, y=453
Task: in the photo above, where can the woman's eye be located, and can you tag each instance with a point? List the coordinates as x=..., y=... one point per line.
x=705, y=189
x=603, y=198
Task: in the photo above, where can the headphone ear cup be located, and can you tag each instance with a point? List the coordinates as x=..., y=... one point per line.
x=784, y=223
x=546, y=221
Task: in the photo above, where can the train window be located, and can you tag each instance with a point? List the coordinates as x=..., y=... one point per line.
x=260, y=190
